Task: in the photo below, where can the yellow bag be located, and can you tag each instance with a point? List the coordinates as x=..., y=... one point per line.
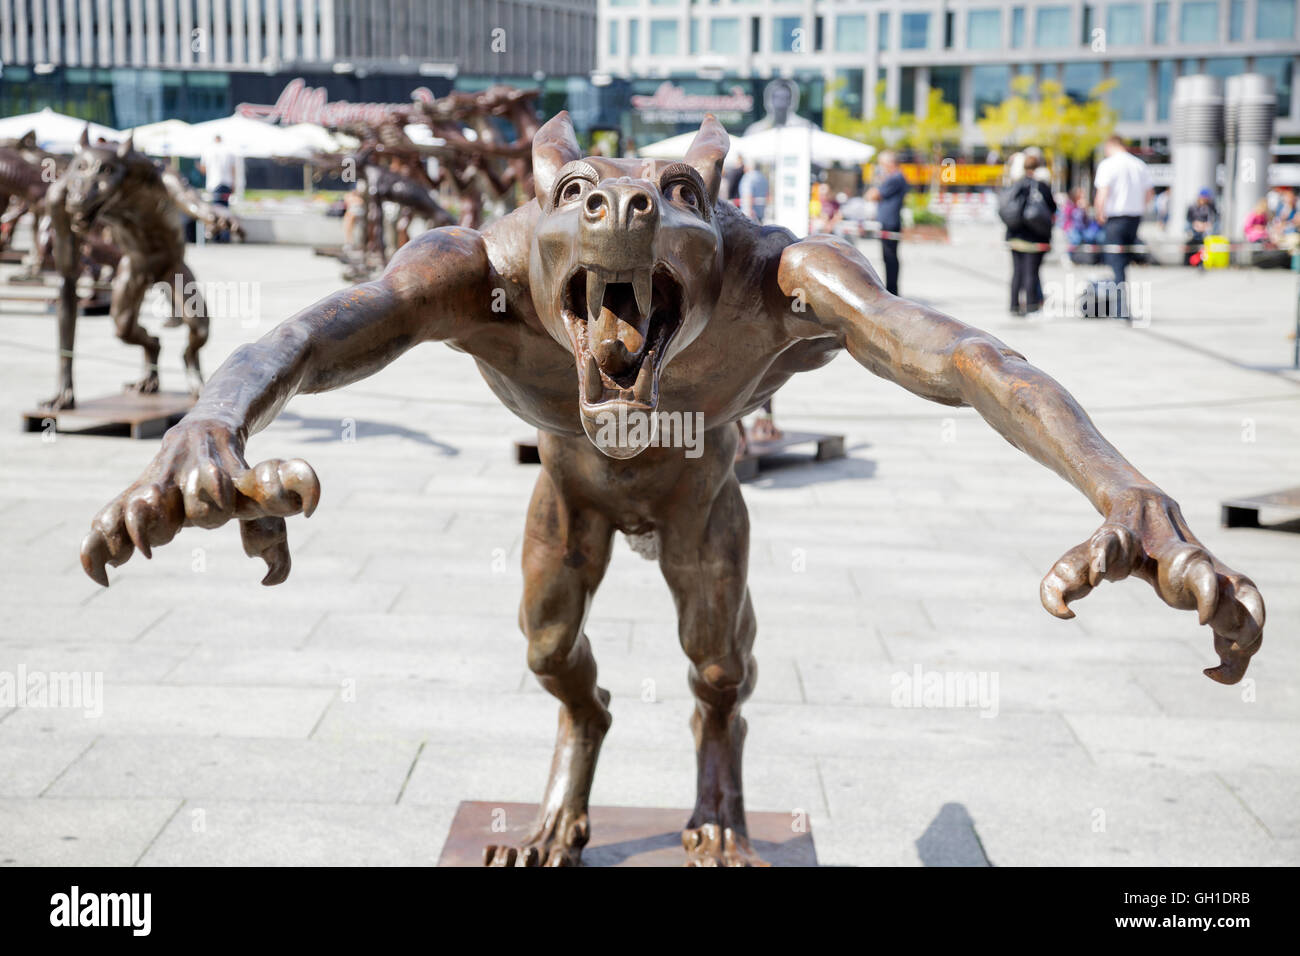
x=1218, y=252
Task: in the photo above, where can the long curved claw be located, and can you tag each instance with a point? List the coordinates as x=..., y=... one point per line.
x=94, y=556
x=281, y=488
x=268, y=539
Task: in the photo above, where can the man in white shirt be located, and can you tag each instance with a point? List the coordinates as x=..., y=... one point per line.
x=219, y=167
x=1124, y=188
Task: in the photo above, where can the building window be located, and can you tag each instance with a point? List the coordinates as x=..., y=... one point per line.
x=916, y=31
x=989, y=85
x=613, y=38
x=949, y=28
x=1274, y=19
x=1052, y=27
x=1129, y=96
x=1124, y=24
x=907, y=89
x=695, y=35
x=1237, y=21
x=1282, y=69
x=1079, y=79
x=819, y=34
x=851, y=33
x=1165, y=75
x=882, y=30
x=633, y=37
x=1198, y=21
x=1162, y=23
x=1085, y=25
x=663, y=37
x=755, y=34
x=724, y=36
x=850, y=90
x=664, y=3
x=783, y=33
x=1017, y=27
x=947, y=80
x=1224, y=67
x=984, y=30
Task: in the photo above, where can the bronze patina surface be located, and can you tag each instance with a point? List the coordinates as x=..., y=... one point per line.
x=140, y=202
x=626, y=290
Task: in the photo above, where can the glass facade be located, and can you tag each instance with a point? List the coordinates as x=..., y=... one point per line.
x=1282, y=69
x=851, y=33
x=1124, y=24
x=989, y=84
x=1275, y=19
x=663, y=37
x=1198, y=21
x=1079, y=79
x=1161, y=23
x=1052, y=27
x=1129, y=96
x=984, y=30
x=783, y=33
x=724, y=35
x=947, y=80
x=916, y=31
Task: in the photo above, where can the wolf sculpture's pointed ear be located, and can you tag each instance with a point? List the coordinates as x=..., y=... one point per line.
x=128, y=144
x=84, y=142
x=707, y=152
x=554, y=145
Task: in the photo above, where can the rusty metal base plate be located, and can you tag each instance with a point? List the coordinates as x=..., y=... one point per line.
x=140, y=416
x=1244, y=512
x=828, y=447
x=620, y=836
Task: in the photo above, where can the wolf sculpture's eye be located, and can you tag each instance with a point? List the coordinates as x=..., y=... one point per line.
x=574, y=182
x=682, y=186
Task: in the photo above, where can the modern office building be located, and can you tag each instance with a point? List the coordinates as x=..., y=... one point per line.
x=969, y=49
x=446, y=36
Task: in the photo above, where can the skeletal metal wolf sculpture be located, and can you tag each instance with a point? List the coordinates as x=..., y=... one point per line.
x=140, y=201
x=630, y=291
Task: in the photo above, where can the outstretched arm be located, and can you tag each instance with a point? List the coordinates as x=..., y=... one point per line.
x=941, y=359
x=436, y=288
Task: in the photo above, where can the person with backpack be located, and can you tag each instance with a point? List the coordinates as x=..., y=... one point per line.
x=1028, y=210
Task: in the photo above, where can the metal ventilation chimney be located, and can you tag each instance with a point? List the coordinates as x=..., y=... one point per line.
x=1250, y=110
x=1197, y=142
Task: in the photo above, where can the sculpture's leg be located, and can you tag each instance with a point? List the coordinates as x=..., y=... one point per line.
x=64, y=244
x=566, y=551
x=188, y=304
x=129, y=287
x=704, y=554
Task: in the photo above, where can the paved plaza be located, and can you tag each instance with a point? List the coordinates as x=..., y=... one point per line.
x=341, y=717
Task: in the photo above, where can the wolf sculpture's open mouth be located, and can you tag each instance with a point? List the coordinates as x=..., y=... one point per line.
x=621, y=324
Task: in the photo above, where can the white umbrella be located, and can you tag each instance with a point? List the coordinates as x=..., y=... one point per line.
x=825, y=147
x=167, y=138
x=242, y=136
x=55, y=132
x=674, y=147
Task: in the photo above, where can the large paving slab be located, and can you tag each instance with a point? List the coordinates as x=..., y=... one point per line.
x=343, y=716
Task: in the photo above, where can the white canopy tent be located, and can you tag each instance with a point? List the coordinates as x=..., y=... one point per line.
x=55, y=132
x=167, y=138
x=826, y=148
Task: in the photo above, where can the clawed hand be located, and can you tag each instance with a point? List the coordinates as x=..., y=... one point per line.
x=1145, y=535
x=199, y=477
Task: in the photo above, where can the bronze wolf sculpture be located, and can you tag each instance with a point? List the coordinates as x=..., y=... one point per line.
x=140, y=201
x=629, y=291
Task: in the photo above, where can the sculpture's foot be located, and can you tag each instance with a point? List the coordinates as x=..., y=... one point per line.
x=765, y=429
x=146, y=386
x=60, y=402
x=562, y=828
x=194, y=381
x=558, y=842
x=713, y=845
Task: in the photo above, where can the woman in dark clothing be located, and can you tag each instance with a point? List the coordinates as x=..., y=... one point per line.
x=1029, y=211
